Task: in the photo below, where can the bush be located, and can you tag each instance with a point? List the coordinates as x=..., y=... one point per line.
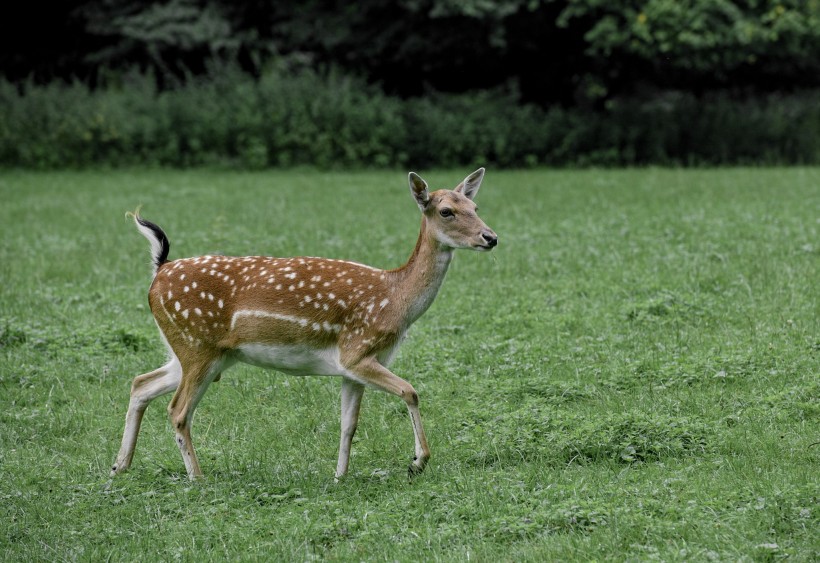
x=304, y=117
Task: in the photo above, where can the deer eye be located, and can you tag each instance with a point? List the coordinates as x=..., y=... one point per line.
x=446, y=212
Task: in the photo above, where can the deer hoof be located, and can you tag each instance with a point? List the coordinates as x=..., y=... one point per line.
x=414, y=470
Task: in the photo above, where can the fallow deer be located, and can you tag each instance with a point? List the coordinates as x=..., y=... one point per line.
x=303, y=316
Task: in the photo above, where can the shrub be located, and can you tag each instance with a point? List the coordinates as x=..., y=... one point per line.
x=326, y=119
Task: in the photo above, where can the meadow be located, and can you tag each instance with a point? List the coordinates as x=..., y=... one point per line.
x=632, y=374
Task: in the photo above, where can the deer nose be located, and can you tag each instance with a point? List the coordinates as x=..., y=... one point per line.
x=490, y=237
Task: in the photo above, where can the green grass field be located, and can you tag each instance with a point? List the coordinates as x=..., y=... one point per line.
x=632, y=374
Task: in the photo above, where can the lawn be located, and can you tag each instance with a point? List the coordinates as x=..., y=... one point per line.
x=632, y=373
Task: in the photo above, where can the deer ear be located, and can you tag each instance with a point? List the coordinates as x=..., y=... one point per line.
x=418, y=187
x=469, y=187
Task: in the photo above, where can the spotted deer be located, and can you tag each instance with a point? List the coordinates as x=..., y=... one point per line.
x=301, y=316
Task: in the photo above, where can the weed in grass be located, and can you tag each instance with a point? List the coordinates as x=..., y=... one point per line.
x=11, y=336
x=549, y=435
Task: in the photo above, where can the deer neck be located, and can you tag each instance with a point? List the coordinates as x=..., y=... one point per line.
x=418, y=281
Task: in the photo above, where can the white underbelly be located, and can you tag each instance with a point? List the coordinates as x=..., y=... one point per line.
x=292, y=359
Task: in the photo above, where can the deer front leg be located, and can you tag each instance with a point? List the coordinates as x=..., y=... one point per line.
x=351, y=401
x=373, y=373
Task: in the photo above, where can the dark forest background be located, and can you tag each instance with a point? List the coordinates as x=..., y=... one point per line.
x=422, y=82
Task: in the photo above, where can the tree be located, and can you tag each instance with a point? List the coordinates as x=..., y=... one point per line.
x=764, y=44
x=172, y=37
x=566, y=51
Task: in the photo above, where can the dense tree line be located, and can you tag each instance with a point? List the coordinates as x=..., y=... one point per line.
x=570, y=52
x=416, y=82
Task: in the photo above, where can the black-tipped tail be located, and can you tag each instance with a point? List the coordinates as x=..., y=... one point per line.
x=156, y=236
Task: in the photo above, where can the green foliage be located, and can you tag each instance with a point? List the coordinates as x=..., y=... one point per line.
x=693, y=45
x=568, y=52
x=706, y=36
x=166, y=36
x=303, y=117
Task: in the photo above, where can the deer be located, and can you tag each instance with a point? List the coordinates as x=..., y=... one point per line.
x=299, y=316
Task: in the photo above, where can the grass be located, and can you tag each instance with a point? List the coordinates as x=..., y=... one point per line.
x=631, y=374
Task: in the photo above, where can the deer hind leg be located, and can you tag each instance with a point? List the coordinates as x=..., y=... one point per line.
x=373, y=373
x=144, y=389
x=195, y=380
x=351, y=401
